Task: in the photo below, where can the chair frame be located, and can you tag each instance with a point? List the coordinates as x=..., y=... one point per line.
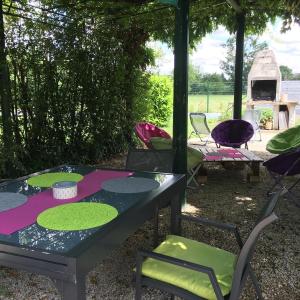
x=157, y=208
x=195, y=130
x=242, y=270
x=258, y=112
x=192, y=174
x=279, y=178
x=131, y=151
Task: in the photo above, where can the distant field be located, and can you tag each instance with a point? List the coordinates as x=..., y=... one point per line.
x=198, y=103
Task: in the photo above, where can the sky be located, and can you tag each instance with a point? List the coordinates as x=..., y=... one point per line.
x=209, y=52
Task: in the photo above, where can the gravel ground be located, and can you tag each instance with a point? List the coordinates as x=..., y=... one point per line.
x=226, y=197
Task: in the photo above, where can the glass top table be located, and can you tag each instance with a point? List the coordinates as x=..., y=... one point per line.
x=67, y=256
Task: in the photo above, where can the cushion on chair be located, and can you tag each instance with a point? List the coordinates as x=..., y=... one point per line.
x=194, y=157
x=285, y=141
x=221, y=261
x=145, y=131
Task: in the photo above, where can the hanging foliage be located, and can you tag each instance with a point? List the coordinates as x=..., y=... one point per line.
x=73, y=77
x=74, y=88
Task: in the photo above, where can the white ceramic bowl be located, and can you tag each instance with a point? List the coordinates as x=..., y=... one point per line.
x=63, y=190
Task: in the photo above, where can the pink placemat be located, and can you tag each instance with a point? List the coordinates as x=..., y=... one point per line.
x=224, y=153
x=228, y=151
x=213, y=157
x=25, y=215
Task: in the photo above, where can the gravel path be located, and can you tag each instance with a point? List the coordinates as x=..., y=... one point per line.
x=226, y=197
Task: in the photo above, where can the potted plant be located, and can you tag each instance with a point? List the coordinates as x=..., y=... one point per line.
x=267, y=119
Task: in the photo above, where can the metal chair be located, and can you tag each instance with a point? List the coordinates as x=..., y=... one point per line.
x=145, y=131
x=281, y=166
x=194, y=157
x=215, y=287
x=232, y=133
x=253, y=116
x=200, y=127
x=266, y=211
x=150, y=160
x=285, y=141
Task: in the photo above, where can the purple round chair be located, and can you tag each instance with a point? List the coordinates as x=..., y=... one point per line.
x=281, y=166
x=145, y=131
x=232, y=133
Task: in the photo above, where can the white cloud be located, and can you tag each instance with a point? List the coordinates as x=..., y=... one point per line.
x=209, y=52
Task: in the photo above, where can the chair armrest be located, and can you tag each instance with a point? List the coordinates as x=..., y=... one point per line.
x=205, y=221
x=223, y=226
x=181, y=263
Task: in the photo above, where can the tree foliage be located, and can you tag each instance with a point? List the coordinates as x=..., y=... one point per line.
x=159, y=100
x=286, y=73
x=74, y=88
x=251, y=47
x=73, y=73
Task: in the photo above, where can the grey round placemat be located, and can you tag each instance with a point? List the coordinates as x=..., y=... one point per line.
x=215, y=154
x=11, y=200
x=130, y=185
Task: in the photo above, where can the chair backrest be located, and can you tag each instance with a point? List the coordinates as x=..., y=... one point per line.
x=150, y=160
x=199, y=123
x=242, y=265
x=285, y=141
x=287, y=163
x=232, y=133
x=145, y=131
x=269, y=206
x=252, y=116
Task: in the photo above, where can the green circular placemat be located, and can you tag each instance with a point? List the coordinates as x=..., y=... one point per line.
x=77, y=216
x=48, y=179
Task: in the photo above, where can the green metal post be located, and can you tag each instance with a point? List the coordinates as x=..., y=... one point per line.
x=238, y=75
x=180, y=108
x=207, y=97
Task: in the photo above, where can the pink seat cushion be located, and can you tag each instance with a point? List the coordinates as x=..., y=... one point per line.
x=145, y=131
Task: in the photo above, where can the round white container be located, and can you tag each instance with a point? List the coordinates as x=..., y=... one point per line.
x=63, y=190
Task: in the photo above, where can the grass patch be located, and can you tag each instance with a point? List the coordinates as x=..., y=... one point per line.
x=200, y=103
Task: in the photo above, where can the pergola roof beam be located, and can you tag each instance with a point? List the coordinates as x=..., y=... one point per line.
x=235, y=5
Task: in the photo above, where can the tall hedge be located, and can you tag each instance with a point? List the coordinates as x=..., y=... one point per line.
x=77, y=90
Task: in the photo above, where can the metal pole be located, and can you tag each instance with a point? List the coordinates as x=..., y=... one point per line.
x=238, y=74
x=180, y=108
x=207, y=97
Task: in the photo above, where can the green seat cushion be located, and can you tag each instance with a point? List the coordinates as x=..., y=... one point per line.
x=194, y=157
x=221, y=261
x=285, y=141
x=48, y=179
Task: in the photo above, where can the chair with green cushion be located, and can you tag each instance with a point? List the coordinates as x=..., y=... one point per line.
x=194, y=157
x=285, y=141
x=194, y=270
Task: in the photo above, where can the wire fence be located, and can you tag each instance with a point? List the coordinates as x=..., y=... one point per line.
x=212, y=96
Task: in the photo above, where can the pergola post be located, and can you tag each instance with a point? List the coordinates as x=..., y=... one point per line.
x=238, y=74
x=180, y=104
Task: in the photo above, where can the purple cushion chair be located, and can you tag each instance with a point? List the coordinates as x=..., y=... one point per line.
x=285, y=164
x=232, y=133
x=145, y=131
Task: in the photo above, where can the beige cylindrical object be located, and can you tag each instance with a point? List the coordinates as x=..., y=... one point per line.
x=63, y=190
x=284, y=98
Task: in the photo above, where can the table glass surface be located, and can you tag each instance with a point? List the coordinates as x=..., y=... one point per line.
x=39, y=238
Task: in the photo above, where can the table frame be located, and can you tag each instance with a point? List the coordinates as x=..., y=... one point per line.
x=68, y=270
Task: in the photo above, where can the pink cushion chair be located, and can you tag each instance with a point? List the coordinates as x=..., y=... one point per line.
x=145, y=131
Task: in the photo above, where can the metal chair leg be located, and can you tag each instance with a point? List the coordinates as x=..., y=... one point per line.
x=255, y=284
x=155, y=226
x=138, y=278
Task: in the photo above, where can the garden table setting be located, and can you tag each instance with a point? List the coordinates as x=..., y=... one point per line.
x=62, y=221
